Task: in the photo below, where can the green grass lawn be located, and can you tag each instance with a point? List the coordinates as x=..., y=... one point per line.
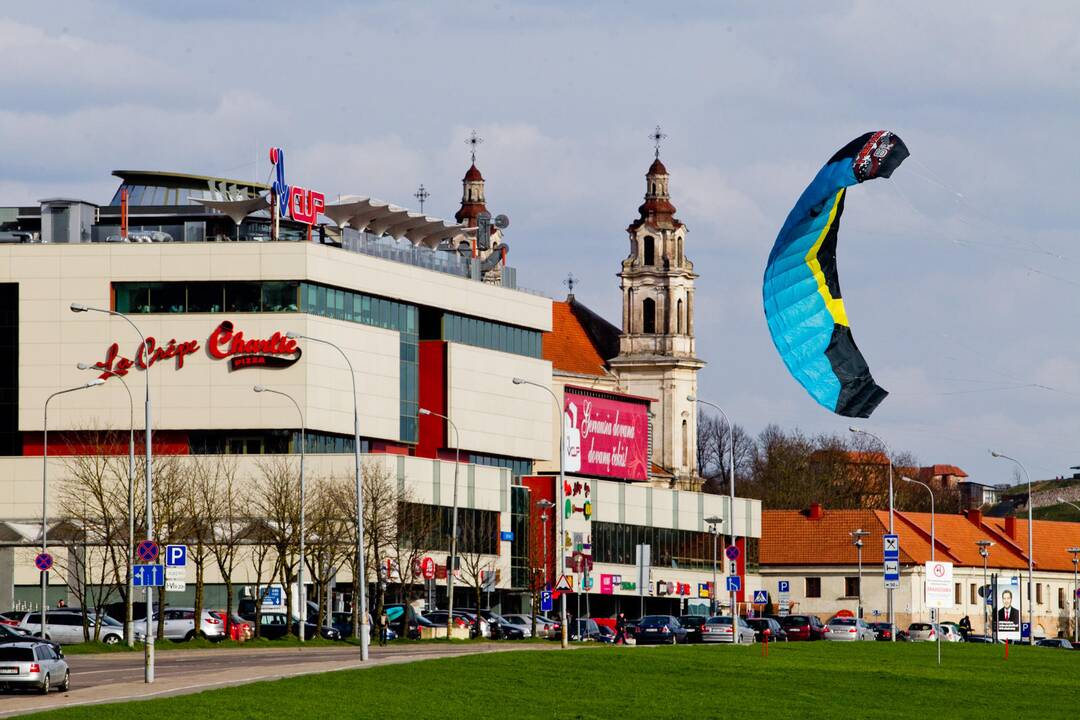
x=833, y=680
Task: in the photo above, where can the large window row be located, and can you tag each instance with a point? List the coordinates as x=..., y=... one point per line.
x=491, y=335
x=206, y=297
x=685, y=549
x=517, y=466
x=276, y=442
x=429, y=527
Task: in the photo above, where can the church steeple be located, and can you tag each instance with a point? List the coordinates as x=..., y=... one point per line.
x=472, y=197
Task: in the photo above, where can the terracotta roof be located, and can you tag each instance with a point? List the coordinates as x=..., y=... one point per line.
x=473, y=174
x=792, y=537
x=939, y=470
x=850, y=457
x=657, y=168
x=568, y=346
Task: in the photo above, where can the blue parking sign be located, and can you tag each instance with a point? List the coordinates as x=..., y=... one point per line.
x=734, y=583
x=176, y=556
x=785, y=587
x=546, y=604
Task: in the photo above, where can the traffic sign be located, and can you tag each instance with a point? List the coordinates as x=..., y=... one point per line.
x=892, y=574
x=148, y=575
x=546, y=603
x=506, y=536
x=565, y=584
x=785, y=587
x=761, y=597
x=147, y=551
x=43, y=562
x=1078, y=592
x=890, y=547
x=175, y=585
x=1025, y=629
x=175, y=573
x=732, y=552
x=175, y=555
x=734, y=583
x=427, y=568
x=939, y=584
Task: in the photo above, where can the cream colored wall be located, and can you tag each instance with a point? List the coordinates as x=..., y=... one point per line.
x=493, y=414
x=678, y=509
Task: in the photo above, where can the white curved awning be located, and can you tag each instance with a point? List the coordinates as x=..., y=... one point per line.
x=381, y=218
x=237, y=210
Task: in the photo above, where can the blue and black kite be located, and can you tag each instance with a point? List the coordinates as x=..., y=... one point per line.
x=802, y=292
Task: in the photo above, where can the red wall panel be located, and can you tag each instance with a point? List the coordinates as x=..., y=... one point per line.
x=432, y=396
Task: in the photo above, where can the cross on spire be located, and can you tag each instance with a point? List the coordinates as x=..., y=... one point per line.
x=421, y=194
x=657, y=137
x=472, y=141
x=570, y=282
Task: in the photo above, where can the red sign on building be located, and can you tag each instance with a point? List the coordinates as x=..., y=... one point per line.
x=606, y=437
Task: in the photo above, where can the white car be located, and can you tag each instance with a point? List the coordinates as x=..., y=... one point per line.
x=848, y=629
x=180, y=624
x=718, y=629
x=33, y=664
x=66, y=627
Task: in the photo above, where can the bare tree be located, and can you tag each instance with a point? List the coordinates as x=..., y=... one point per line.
x=326, y=550
x=224, y=502
x=172, y=524
x=476, y=549
x=278, y=502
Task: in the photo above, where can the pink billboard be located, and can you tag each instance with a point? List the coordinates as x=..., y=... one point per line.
x=606, y=437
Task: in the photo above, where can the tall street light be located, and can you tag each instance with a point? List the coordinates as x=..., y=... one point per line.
x=1031, y=560
x=892, y=526
x=141, y=358
x=934, y=615
x=856, y=540
x=545, y=506
x=361, y=581
x=1076, y=594
x=129, y=622
x=731, y=505
x=984, y=551
x=559, y=495
x=301, y=588
x=452, y=565
x=45, y=497
x=714, y=530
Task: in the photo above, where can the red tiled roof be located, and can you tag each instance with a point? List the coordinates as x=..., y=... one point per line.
x=851, y=457
x=938, y=470
x=473, y=174
x=790, y=537
x=657, y=168
x=568, y=347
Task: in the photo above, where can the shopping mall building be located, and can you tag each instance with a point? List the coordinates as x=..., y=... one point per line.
x=217, y=273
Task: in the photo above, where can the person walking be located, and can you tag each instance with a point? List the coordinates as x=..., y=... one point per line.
x=965, y=626
x=620, y=629
x=384, y=628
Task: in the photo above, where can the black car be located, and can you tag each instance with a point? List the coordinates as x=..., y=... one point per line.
x=692, y=624
x=767, y=629
x=9, y=634
x=979, y=639
x=1061, y=643
x=882, y=631
x=276, y=625
x=659, y=630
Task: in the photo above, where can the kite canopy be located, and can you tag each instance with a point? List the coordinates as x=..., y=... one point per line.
x=803, y=306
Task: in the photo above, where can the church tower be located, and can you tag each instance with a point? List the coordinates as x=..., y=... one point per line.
x=656, y=347
x=491, y=252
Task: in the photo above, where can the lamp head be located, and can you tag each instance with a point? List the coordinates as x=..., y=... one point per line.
x=424, y=411
x=995, y=453
x=714, y=520
x=691, y=398
x=78, y=307
x=518, y=381
x=292, y=335
x=94, y=383
x=852, y=428
x=259, y=388
x=83, y=366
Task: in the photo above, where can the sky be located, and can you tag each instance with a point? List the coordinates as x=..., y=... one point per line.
x=961, y=274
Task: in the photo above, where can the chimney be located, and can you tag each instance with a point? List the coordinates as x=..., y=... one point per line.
x=815, y=511
x=974, y=516
x=1010, y=527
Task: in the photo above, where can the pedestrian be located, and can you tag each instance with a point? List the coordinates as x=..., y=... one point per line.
x=62, y=604
x=384, y=628
x=620, y=629
x=965, y=626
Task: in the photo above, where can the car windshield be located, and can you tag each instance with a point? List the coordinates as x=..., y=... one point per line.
x=16, y=654
x=106, y=620
x=654, y=620
x=920, y=626
x=842, y=621
x=720, y=620
x=796, y=620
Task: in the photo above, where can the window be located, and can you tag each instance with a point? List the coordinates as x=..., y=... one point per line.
x=1038, y=593
x=813, y=587
x=487, y=334
x=243, y=297
x=974, y=594
x=851, y=587
x=648, y=316
x=649, y=251
x=1061, y=598
x=958, y=594
x=681, y=323
x=685, y=445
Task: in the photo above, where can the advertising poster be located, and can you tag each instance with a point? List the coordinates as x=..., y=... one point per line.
x=606, y=437
x=1007, y=606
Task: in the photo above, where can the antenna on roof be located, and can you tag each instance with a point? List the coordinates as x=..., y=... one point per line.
x=570, y=282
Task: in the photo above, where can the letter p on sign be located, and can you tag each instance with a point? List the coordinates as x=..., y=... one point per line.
x=176, y=555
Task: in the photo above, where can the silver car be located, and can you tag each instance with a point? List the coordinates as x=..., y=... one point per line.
x=180, y=624
x=718, y=629
x=921, y=632
x=849, y=629
x=33, y=665
x=66, y=627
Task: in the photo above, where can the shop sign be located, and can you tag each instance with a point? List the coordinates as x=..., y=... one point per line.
x=301, y=204
x=606, y=437
x=224, y=343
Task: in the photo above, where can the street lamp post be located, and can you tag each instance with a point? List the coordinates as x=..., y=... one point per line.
x=141, y=358
x=857, y=536
x=731, y=505
x=452, y=565
x=1076, y=595
x=361, y=570
x=892, y=526
x=934, y=617
x=45, y=497
x=129, y=622
x=559, y=495
x=301, y=588
x=1031, y=560
x=984, y=551
x=714, y=521
x=545, y=506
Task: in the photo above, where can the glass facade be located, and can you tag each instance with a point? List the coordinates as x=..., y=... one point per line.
x=491, y=335
x=517, y=466
x=278, y=442
x=157, y=195
x=685, y=549
x=519, y=525
x=429, y=526
x=206, y=297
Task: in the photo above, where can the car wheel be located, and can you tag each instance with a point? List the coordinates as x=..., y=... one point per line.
x=45, y=685
x=190, y=636
x=111, y=639
x=66, y=685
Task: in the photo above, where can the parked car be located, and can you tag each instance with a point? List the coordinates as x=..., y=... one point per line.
x=274, y=625
x=501, y=626
x=180, y=624
x=767, y=627
x=659, y=629
x=849, y=629
x=882, y=631
x=979, y=638
x=545, y=627
x=803, y=627
x=922, y=632
x=1056, y=643
x=9, y=618
x=438, y=617
x=950, y=632
x=718, y=629
x=693, y=625
x=9, y=634
x=607, y=634
x=583, y=630
x=236, y=628
x=33, y=665
x=66, y=627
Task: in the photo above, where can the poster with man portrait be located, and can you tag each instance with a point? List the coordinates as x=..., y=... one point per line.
x=1007, y=609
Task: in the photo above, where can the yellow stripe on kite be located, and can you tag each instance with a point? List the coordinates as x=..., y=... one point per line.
x=835, y=306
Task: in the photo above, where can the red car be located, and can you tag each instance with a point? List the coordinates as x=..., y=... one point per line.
x=803, y=627
x=236, y=628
